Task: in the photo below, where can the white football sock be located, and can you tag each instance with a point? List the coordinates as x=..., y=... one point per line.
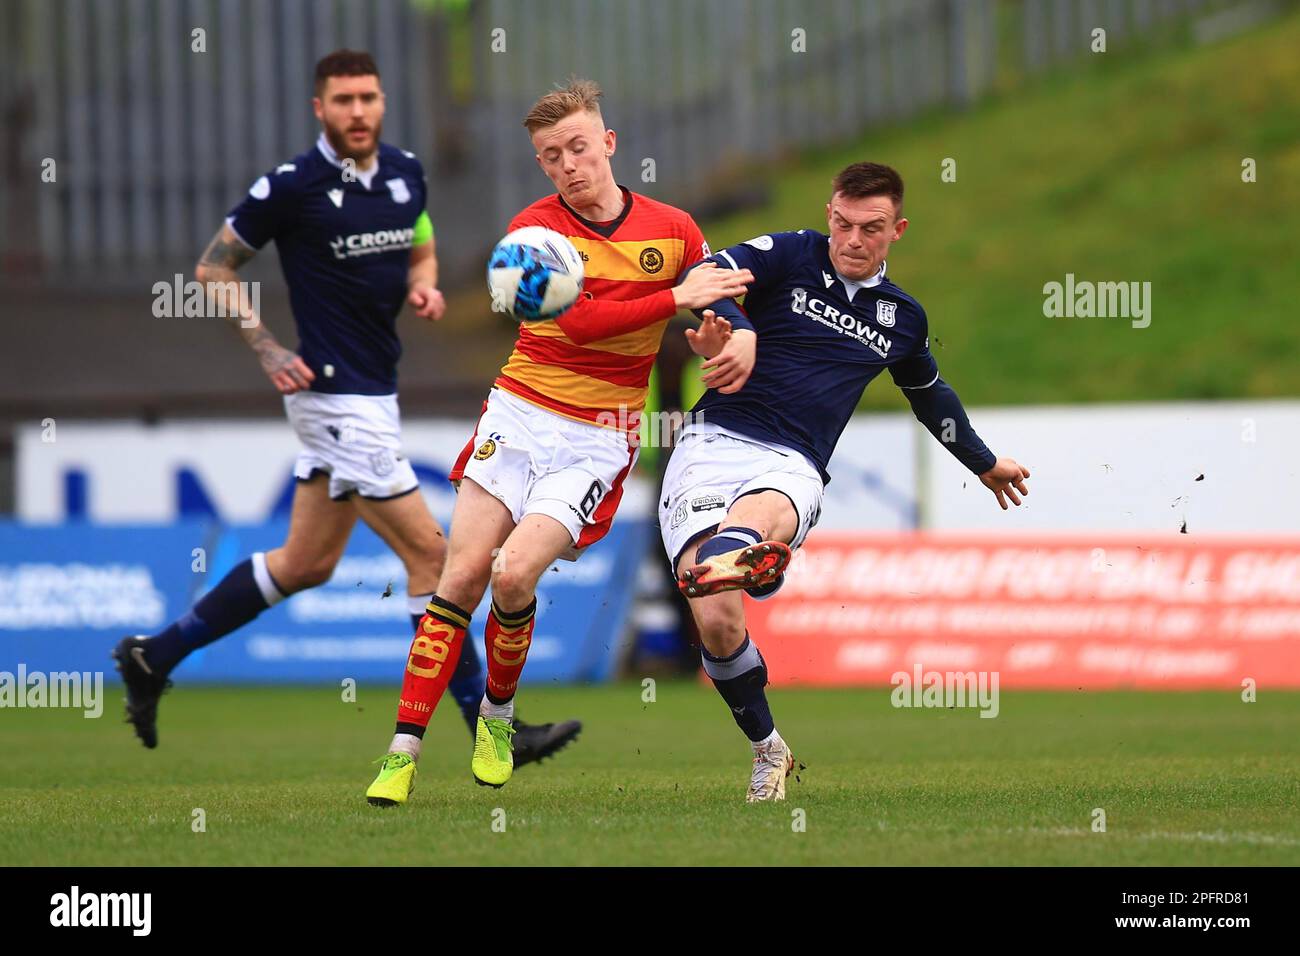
x=505, y=711
x=406, y=744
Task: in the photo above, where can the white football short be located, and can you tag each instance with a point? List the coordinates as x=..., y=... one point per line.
x=355, y=439
x=537, y=462
x=712, y=466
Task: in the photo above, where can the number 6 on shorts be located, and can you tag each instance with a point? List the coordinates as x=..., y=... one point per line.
x=590, y=500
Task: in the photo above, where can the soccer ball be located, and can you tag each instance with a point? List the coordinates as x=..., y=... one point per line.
x=534, y=273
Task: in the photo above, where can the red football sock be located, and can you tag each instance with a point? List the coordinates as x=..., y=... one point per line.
x=434, y=653
x=507, y=638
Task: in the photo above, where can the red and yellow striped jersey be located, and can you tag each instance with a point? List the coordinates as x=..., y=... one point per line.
x=593, y=363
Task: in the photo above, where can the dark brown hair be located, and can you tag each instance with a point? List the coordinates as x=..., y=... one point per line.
x=559, y=103
x=344, y=63
x=869, y=179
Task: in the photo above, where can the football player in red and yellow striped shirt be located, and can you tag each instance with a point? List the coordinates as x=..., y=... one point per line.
x=543, y=473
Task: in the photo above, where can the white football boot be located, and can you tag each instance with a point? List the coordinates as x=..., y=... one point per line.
x=772, y=764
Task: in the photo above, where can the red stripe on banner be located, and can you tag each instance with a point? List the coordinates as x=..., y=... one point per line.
x=1047, y=611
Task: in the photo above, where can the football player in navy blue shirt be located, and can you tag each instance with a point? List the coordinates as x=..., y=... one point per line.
x=744, y=485
x=355, y=242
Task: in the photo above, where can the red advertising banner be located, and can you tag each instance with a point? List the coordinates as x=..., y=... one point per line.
x=1090, y=611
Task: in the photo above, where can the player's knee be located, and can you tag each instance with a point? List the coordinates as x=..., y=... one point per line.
x=463, y=585
x=721, y=622
x=512, y=588
x=305, y=573
x=427, y=560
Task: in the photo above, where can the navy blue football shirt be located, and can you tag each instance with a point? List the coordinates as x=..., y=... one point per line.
x=345, y=250
x=821, y=340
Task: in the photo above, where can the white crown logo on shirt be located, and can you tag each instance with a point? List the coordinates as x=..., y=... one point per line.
x=398, y=188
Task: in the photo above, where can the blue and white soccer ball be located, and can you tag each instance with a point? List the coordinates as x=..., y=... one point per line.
x=534, y=273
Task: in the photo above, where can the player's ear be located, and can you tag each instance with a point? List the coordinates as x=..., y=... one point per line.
x=317, y=108
x=900, y=227
x=611, y=142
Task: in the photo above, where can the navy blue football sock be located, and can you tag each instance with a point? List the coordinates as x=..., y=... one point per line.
x=467, y=682
x=728, y=539
x=240, y=596
x=740, y=679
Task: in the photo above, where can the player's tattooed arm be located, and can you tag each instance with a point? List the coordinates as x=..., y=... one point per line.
x=217, y=269
x=225, y=251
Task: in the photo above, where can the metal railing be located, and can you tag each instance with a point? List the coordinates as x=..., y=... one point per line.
x=151, y=131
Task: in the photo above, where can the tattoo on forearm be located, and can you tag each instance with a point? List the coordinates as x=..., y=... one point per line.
x=223, y=253
x=223, y=256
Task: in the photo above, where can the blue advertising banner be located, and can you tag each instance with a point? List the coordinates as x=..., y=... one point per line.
x=69, y=592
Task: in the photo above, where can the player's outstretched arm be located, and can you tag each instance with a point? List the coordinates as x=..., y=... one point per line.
x=216, y=271
x=938, y=408
x=593, y=319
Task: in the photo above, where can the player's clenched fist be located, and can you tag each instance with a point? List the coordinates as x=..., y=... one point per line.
x=427, y=302
x=1005, y=479
x=706, y=284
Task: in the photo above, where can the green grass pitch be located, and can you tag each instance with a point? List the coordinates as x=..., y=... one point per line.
x=1183, y=778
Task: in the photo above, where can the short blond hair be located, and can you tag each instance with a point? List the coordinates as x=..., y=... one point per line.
x=563, y=101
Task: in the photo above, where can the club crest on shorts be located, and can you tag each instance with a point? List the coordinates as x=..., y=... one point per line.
x=885, y=313
x=679, y=515
x=382, y=463
x=485, y=450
